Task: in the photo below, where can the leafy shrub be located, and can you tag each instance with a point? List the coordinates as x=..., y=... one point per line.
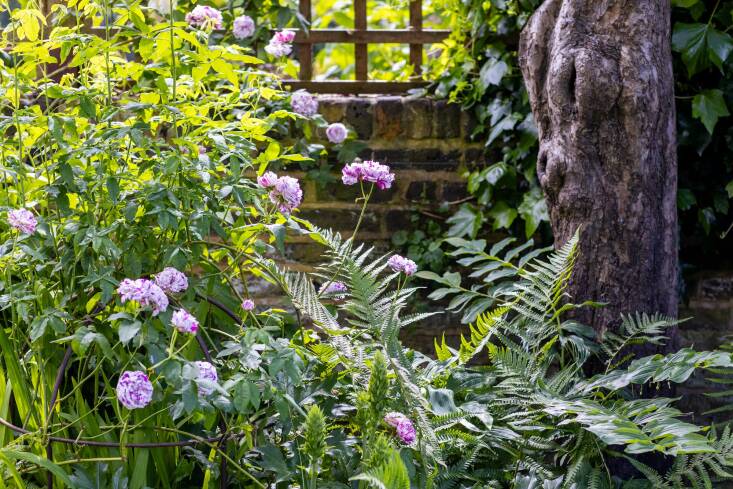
x=138, y=205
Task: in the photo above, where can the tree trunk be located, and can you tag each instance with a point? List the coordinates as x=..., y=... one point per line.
x=599, y=77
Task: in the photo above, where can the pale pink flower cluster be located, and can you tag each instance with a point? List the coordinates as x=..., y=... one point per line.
x=171, y=280
x=23, y=220
x=243, y=27
x=334, y=288
x=144, y=292
x=285, y=191
x=403, y=426
x=207, y=372
x=304, y=103
x=184, y=322
x=134, y=389
x=281, y=43
x=368, y=171
x=336, y=133
x=203, y=16
x=248, y=304
x=401, y=264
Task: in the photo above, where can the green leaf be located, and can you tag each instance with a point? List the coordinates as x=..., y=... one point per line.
x=391, y=475
x=708, y=106
x=241, y=396
x=492, y=72
x=466, y=222
x=273, y=460
x=441, y=400
x=38, y=327
x=57, y=471
x=685, y=199
x=720, y=44
x=88, y=109
x=533, y=210
x=128, y=330
x=278, y=232
x=684, y=3
x=199, y=71
x=503, y=215
x=701, y=44
x=729, y=189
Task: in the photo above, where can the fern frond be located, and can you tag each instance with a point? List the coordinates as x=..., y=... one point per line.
x=635, y=329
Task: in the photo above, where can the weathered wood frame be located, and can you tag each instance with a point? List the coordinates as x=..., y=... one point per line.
x=361, y=36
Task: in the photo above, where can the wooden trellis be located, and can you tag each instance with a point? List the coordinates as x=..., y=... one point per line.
x=361, y=36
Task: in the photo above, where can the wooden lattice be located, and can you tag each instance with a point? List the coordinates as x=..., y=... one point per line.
x=361, y=36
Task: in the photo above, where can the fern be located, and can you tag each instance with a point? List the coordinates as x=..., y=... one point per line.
x=698, y=470
x=531, y=416
x=391, y=475
x=635, y=329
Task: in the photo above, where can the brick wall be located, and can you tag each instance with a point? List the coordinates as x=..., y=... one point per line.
x=424, y=141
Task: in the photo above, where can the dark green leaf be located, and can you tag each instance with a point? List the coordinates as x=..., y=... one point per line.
x=708, y=106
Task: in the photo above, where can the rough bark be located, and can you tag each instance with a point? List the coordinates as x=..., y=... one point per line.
x=599, y=77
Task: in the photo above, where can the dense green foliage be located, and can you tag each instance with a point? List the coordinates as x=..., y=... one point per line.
x=531, y=416
x=149, y=149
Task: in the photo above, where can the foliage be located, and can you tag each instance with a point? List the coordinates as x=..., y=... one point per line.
x=491, y=274
x=135, y=147
x=531, y=412
x=479, y=70
x=144, y=145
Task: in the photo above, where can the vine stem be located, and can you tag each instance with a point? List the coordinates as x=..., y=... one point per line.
x=106, y=54
x=52, y=404
x=174, y=94
x=82, y=442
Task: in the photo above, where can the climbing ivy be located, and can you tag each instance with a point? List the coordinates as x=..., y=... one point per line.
x=704, y=78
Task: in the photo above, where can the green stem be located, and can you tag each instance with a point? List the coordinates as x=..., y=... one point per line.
x=174, y=94
x=108, y=70
x=365, y=198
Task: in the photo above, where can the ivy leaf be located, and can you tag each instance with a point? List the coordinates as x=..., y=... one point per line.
x=492, y=73
x=706, y=218
x=720, y=44
x=533, y=210
x=701, y=44
x=685, y=199
x=503, y=215
x=729, y=189
x=708, y=106
x=466, y=222
x=506, y=124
